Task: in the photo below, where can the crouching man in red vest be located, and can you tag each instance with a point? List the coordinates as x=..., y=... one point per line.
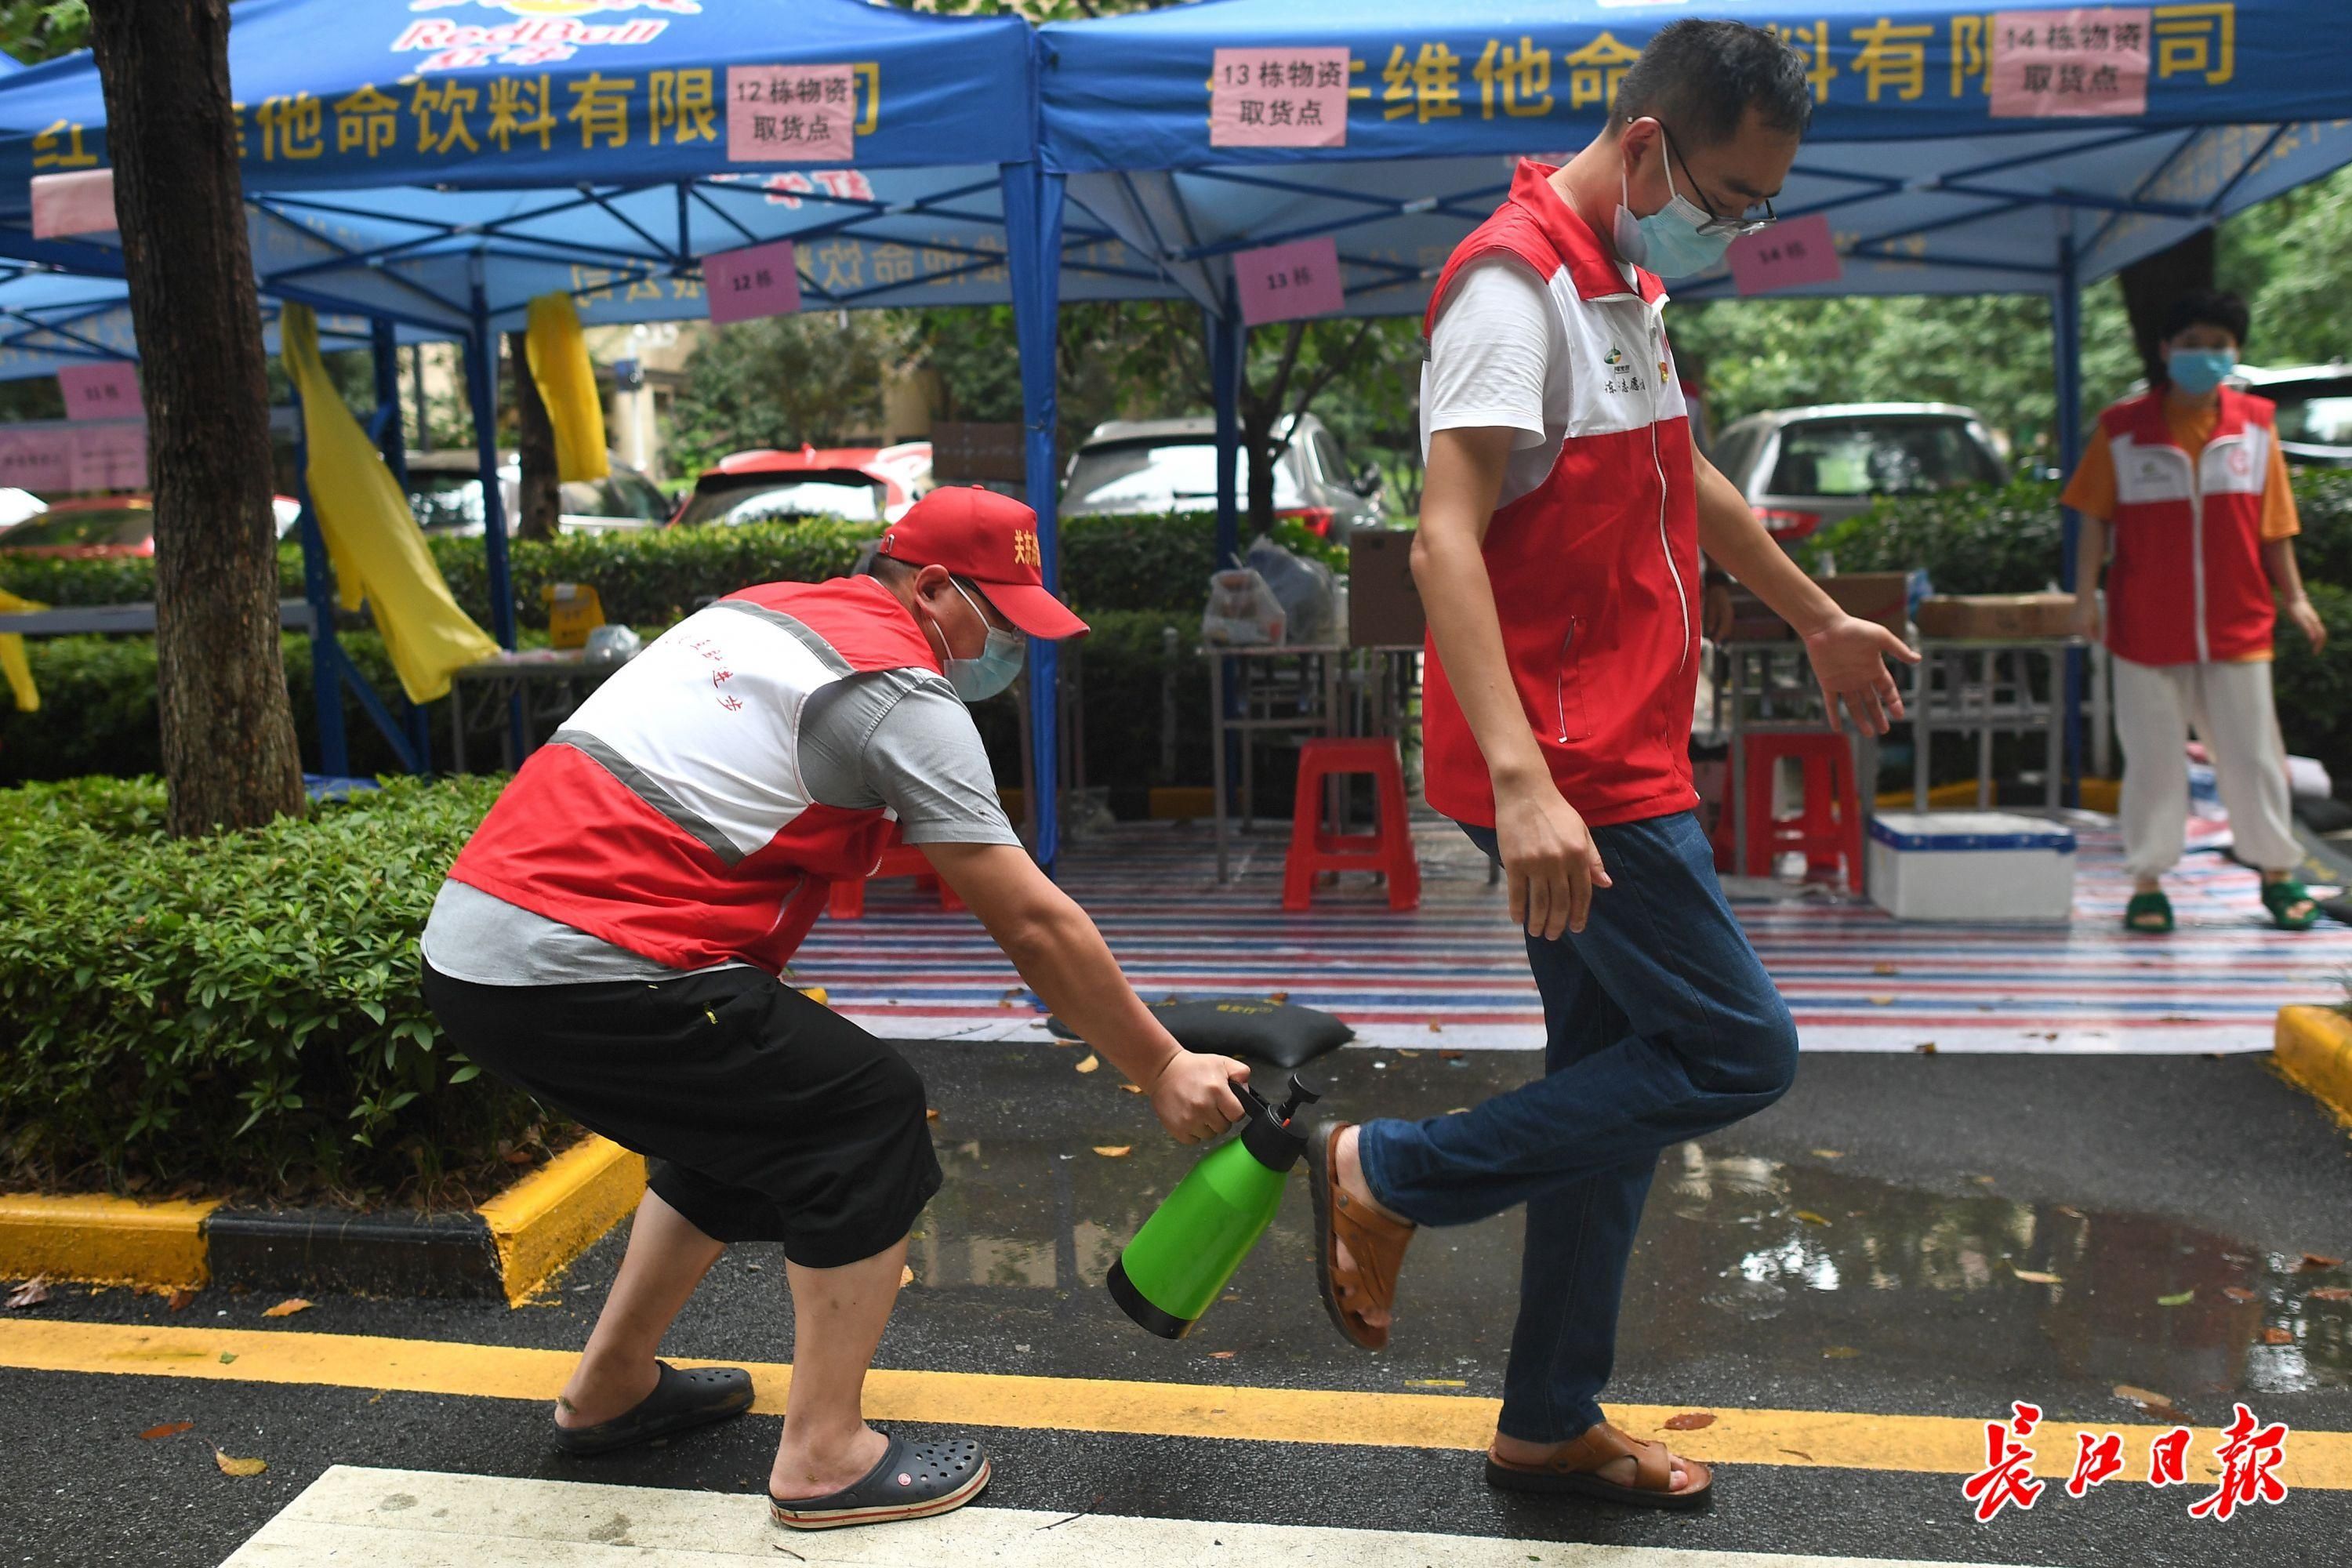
x=612, y=938
x=1561, y=524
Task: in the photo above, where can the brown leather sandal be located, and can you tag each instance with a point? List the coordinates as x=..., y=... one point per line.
x=1572, y=1471
x=1375, y=1243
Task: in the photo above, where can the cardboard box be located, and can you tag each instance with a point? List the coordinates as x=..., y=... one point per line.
x=1971, y=866
x=1997, y=618
x=1881, y=596
x=1383, y=603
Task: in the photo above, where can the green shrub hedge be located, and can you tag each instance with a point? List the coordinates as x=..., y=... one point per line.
x=654, y=576
x=238, y=1014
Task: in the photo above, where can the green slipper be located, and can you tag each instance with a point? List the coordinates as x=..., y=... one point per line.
x=2282, y=897
x=2143, y=914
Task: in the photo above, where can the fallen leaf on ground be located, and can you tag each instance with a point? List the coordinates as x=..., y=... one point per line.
x=2035, y=1275
x=1092, y=1062
x=2146, y=1399
x=227, y=1357
x=2237, y=1292
x=1829, y=1154
x=31, y=1293
x=930, y=1114
x=1882, y=967
x=1924, y=1048
x=2181, y=1299
x=1402, y=1052
x=2070, y=1211
x=168, y=1430
x=287, y=1307
x=2330, y=1293
x=906, y=1276
x=2277, y=1336
x=1451, y=1055
x=1435, y=1382
x=1130, y=1088
x=1839, y=1353
x=1279, y=997
x=229, y=1467
x=1882, y=1000
x=1802, y=1455
x=178, y=1298
x=1221, y=1355
x=1114, y=1151
x=1809, y=1217
x=2319, y=1261
x=1690, y=1421
x=1438, y=1029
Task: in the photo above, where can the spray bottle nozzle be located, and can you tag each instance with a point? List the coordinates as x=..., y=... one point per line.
x=1304, y=1091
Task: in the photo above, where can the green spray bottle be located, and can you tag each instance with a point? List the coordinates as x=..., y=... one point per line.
x=1179, y=1262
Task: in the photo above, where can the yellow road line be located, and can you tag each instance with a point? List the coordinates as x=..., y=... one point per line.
x=1829, y=1439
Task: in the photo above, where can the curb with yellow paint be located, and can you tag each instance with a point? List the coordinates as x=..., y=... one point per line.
x=1821, y=1439
x=2313, y=1048
x=535, y=1228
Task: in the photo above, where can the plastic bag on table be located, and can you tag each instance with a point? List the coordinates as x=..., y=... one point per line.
x=1241, y=612
x=1306, y=588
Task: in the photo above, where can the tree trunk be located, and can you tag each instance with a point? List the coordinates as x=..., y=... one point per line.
x=229, y=755
x=541, y=507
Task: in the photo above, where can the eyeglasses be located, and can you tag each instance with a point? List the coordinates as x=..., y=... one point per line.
x=1728, y=227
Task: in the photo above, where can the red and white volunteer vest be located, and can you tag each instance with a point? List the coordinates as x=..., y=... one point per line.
x=2187, y=584
x=1596, y=571
x=668, y=816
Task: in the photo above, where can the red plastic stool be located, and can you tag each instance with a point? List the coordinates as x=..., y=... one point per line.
x=846, y=901
x=1826, y=829
x=1389, y=848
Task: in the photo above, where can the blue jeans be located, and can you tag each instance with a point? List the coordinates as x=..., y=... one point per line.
x=1661, y=1025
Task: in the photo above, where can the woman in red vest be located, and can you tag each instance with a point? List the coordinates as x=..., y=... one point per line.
x=2188, y=481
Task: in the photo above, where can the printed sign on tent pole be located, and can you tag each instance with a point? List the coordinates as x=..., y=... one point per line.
x=1284, y=282
x=760, y=280
x=107, y=390
x=81, y=201
x=1785, y=255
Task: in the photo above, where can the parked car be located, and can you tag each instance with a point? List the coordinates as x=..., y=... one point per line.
x=108, y=525
x=445, y=491
x=1804, y=468
x=1132, y=466
x=18, y=506
x=2315, y=410
x=859, y=484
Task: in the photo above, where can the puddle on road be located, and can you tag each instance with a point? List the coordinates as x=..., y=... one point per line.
x=1792, y=1263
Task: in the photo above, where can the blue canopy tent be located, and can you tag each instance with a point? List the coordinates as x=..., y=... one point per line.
x=435, y=165
x=1952, y=149
x=51, y=319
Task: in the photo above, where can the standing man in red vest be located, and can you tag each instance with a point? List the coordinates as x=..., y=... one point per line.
x=2189, y=481
x=612, y=941
x=1561, y=525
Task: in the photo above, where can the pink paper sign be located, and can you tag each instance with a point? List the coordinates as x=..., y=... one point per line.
x=2089, y=60
x=54, y=458
x=1283, y=282
x=1785, y=255
x=105, y=391
x=762, y=280
x=78, y=203
x=1279, y=98
x=791, y=114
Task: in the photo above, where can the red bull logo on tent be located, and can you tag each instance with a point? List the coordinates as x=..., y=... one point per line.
x=541, y=32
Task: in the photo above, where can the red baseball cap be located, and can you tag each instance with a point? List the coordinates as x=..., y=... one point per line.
x=992, y=539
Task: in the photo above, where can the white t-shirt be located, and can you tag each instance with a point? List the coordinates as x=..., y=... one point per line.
x=1499, y=357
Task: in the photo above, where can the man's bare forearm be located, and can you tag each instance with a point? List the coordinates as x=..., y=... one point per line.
x=2285, y=573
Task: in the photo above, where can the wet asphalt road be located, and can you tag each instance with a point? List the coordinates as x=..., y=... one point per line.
x=2135, y=1179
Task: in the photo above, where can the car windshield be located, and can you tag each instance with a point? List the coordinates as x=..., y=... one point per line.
x=1138, y=475
x=2314, y=413
x=96, y=525
x=1879, y=458
x=443, y=501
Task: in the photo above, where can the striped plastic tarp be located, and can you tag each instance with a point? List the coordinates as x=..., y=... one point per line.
x=1453, y=973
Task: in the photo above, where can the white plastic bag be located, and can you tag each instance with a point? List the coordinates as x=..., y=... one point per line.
x=1242, y=612
x=1305, y=589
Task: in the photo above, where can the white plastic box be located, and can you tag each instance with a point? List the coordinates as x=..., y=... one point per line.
x=1971, y=866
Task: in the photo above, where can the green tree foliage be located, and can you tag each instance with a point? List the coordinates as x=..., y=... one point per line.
x=786, y=381
x=37, y=30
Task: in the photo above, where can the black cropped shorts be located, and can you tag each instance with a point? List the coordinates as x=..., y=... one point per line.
x=769, y=1116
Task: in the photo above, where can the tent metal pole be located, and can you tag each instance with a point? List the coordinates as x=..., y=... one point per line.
x=2066, y=333
x=318, y=588
x=1225, y=385
x=482, y=383
x=1033, y=233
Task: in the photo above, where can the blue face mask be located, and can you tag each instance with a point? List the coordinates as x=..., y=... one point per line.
x=1668, y=241
x=998, y=665
x=2196, y=371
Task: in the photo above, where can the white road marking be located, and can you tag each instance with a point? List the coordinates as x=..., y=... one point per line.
x=417, y=1519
